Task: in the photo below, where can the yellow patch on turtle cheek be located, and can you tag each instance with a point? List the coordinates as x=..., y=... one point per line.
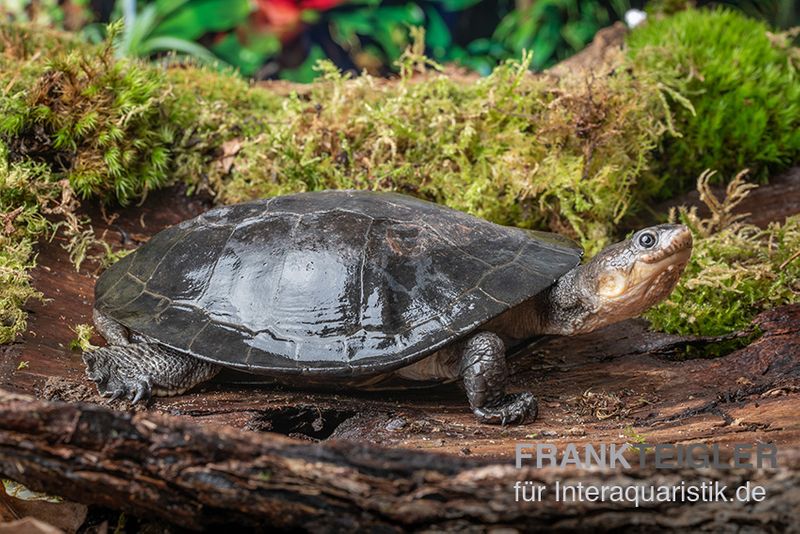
x=612, y=285
x=651, y=274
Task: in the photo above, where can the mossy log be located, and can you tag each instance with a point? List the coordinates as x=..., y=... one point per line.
x=196, y=477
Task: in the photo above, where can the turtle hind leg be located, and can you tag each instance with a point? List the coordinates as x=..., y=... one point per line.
x=138, y=371
x=484, y=372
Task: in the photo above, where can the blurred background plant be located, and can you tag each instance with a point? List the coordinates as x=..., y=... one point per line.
x=269, y=39
x=170, y=25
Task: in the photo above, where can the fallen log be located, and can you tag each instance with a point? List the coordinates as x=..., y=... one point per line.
x=188, y=475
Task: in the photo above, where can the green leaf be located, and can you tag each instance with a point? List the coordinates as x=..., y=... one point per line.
x=137, y=31
x=190, y=48
x=166, y=7
x=457, y=5
x=198, y=18
x=437, y=34
x=348, y=24
x=248, y=59
x=391, y=15
x=263, y=43
x=305, y=72
x=479, y=46
x=579, y=33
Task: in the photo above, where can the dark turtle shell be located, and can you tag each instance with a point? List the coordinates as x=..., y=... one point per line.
x=329, y=283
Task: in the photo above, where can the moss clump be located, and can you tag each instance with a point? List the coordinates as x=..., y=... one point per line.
x=214, y=111
x=512, y=148
x=82, y=342
x=737, y=270
x=22, y=192
x=744, y=89
x=15, y=287
x=72, y=118
x=94, y=120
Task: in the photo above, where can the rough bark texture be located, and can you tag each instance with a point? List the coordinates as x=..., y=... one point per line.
x=205, y=457
x=194, y=476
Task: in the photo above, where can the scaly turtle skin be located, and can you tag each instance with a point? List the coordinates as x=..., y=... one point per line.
x=363, y=289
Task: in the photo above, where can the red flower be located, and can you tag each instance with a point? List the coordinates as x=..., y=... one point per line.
x=283, y=17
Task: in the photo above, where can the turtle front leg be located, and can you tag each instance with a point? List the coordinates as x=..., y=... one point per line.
x=484, y=372
x=137, y=371
x=140, y=370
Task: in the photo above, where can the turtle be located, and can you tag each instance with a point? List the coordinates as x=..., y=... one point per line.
x=361, y=289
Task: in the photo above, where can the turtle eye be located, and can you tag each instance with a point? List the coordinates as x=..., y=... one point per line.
x=646, y=240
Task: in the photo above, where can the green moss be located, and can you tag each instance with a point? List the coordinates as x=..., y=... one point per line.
x=93, y=119
x=736, y=271
x=82, y=342
x=212, y=108
x=743, y=85
x=512, y=148
x=22, y=190
x=33, y=203
x=733, y=275
x=15, y=287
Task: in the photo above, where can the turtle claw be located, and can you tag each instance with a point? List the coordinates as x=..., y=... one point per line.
x=98, y=372
x=136, y=393
x=519, y=408
x=142, y=392
x=138, y=371
x=113, y=384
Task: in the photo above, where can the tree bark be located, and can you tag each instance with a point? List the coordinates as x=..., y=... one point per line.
x=188, y=475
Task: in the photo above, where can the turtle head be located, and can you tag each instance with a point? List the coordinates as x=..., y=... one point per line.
x=624, y=279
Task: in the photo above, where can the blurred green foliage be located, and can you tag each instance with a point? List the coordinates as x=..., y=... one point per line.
x=150, y=28
x=779, y=14
x=175, y=24
x=44, y=12
x=551, y=29
x=285, y=38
